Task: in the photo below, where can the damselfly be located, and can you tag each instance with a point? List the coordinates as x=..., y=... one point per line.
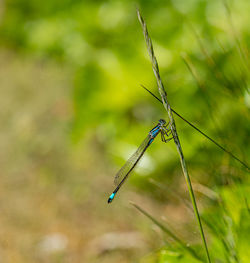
x=126, y=169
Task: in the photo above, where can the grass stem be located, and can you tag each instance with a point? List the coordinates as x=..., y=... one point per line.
x=173, y=127
x=201, y=132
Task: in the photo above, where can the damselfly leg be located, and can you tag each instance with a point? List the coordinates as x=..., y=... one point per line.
x=165, y=132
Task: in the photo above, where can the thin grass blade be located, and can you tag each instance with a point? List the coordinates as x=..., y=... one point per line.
x=168, y=232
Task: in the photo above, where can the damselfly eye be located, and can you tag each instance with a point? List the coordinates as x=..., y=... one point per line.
x=162, y=122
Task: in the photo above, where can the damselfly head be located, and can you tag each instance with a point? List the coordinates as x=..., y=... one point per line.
x=162, y=122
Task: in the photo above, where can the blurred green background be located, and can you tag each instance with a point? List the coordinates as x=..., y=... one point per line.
x=72, y=112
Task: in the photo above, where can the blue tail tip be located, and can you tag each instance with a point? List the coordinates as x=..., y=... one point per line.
x=111, y=197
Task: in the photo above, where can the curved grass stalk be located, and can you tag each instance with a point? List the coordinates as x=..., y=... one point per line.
x=168, y=232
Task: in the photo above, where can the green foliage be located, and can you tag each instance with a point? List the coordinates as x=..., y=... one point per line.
x=228, y=224
x=173, y=256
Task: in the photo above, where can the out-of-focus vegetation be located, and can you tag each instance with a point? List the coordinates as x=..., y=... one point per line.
x=72, y=111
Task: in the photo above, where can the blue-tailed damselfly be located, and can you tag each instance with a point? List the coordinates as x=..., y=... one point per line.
x=126, y=169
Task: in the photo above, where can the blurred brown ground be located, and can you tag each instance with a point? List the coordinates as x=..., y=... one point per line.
x=53, y=193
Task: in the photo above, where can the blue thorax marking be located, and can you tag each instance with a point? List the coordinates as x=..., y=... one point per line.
x=155, y=131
